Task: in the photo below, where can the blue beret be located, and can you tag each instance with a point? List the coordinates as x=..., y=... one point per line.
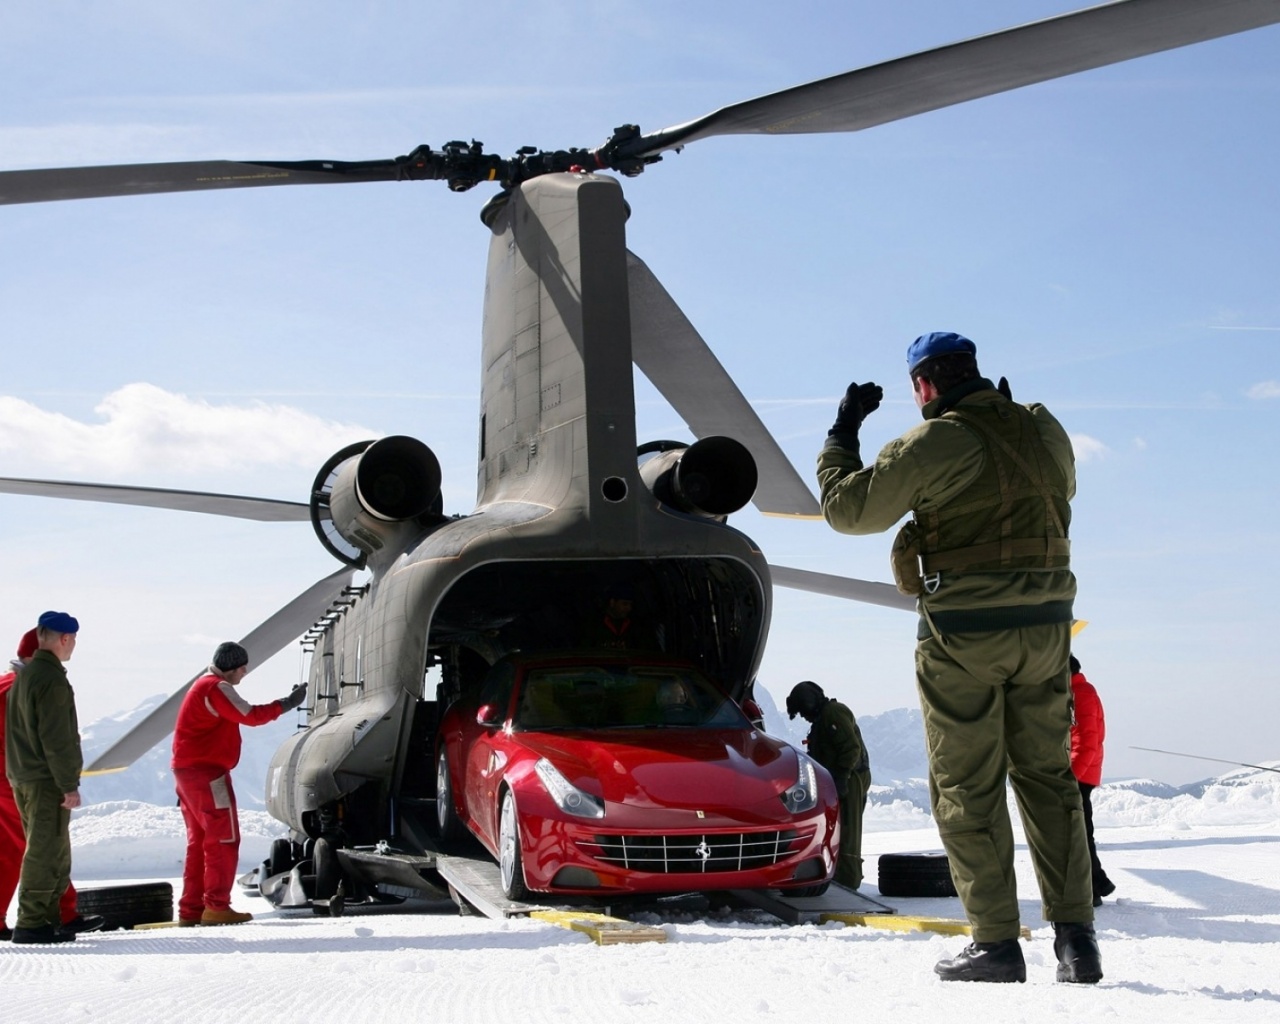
x=59, y=622
x=938, y=343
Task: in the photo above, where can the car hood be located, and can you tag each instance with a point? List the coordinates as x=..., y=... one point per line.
x=672, y=767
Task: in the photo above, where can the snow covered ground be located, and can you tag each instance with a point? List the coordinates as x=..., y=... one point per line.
x=1193, y=935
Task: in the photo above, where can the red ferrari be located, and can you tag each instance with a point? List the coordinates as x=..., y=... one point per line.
x=605, y=772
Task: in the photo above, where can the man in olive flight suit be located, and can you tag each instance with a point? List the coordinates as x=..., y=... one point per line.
x=987, y=554
x=835, y=742
x=43, y=763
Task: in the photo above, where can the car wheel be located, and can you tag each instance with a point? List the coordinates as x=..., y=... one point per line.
x=509, y=863
x=915, y=874
x=808, y=890
x=447, y=822
x=324, y=861
x=123, y=906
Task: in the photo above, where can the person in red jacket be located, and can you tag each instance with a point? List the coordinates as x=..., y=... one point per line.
x=1088, y=730
x=13, y=841
x=206, y=746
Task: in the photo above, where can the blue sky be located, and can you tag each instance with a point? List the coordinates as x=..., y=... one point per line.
x=1108, y=240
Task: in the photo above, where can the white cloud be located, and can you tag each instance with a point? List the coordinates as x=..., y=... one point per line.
x=1088, y=448
x=144, y=427
x=1264, y=390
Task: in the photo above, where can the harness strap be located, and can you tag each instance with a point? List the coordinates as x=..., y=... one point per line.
x=1004, y=549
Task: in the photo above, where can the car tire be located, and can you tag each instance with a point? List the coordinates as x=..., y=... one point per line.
x=915, y=874
x=447, y=823
x=510, y=866
x=123, y=906
x=808, y=891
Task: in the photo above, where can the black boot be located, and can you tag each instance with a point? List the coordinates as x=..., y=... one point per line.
x=985, y=961
x=1076, y=947
x=45, y=935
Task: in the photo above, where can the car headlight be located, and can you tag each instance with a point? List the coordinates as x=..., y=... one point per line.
x=803, y=794
x=568, y=797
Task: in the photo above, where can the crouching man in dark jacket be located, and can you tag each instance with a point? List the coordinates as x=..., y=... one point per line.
x=835, y=742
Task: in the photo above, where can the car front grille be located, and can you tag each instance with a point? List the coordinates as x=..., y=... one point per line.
x=695, y=853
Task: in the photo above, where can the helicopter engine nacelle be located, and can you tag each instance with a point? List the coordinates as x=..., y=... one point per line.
x=393, y=480
x=711, y=477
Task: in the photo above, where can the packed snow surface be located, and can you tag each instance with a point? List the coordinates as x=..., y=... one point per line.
x=1192, y=934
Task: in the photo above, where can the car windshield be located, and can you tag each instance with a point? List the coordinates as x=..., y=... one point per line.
x=622, y=696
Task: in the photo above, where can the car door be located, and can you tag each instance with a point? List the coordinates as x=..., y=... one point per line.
x=486, y=754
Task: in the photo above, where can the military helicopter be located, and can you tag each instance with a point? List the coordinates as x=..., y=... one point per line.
x=563, y=504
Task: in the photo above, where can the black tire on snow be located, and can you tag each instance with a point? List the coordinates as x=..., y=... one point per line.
x=915, y=874
x=123, y=906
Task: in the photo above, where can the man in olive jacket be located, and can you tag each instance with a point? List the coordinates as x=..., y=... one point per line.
x=835, y=742
x=43, y=763
x=987, y=555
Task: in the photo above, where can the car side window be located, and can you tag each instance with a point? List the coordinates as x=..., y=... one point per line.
x=497, y=687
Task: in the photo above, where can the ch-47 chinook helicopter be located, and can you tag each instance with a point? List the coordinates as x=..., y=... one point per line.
x=569, y=499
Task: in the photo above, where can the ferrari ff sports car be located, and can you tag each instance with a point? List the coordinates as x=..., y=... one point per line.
x=594, y=773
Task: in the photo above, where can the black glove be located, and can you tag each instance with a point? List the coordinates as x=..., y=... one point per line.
x=1003, y=388
x=296, y=696
x=859, y=402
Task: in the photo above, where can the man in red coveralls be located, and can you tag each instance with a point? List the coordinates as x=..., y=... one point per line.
x=13, y=842
x=1088, y=730
x=206, y=746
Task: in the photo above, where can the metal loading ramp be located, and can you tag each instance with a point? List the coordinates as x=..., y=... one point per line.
x=475, y=885
x=812, y=909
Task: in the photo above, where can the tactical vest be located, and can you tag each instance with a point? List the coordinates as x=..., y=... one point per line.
x=1014, y=515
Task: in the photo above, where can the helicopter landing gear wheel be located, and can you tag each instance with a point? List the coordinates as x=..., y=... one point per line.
x=509, y=851
x=446, y=814
x=280, y=859
x=324, y=860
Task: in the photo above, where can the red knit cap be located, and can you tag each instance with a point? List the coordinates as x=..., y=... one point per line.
x=28, y=645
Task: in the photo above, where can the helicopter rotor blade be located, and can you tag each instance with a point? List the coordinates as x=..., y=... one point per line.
x=266, y=640
x=868, y=592
x=55, y=184
x=670, y=352
x=983, y=66
x=930, y=80
x=265, y=510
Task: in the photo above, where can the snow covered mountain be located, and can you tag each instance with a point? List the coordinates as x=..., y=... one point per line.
x=895, y=741
x=149, y=779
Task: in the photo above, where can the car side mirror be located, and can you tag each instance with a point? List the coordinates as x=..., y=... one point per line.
x=489, y=716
